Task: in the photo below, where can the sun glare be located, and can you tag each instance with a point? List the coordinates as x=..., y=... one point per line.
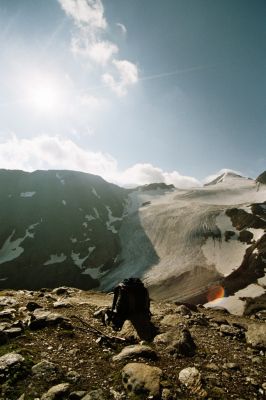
x=44, y=94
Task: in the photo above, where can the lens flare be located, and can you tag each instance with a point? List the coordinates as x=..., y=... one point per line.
x=215, y=292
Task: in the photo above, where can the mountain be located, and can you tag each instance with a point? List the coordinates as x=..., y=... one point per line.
x=225, y=177
x=202, y=245
x=262, y=178
x=57, y=227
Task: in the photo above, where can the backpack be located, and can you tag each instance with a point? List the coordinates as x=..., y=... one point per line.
x=131, y=297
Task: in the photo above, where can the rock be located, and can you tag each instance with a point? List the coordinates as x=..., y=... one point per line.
x=61, y=290
x=139, y=378
x=256, y=335
x=44, y=367
x=185, y=346
x=129, y=332
x=7, y=314
x=212, y=367
x=42, y=318
x=191, y=378
x=77, y=395
x=183, y=310
x=94, y=395
x=192, y=307
x=3, y=338
x=10, y=361
x=200, y=320
x=56, y=391
x=171, y=320
x=166, y=394
x=136, y=351
x=229, y=330
x=233, y=366
x=62, y=304
x=13, y=332
x=73, y=376
x=7, y=301
x=166, y=338
x=32, y=306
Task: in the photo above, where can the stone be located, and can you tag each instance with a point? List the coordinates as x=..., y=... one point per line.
x=94, y=395
x=233, y=366
x=191, y=378
x=212, y=367
x=61, y=290
x=56, y=391
x=32, y=306
x=7, y=301
x=183, y=310
x=256, y=335
x=73, y=376
x=77, y=395
x=171, y=320
x=166, y=394
x=44, y=367
x=135, y=351
x=62, y=304
x=10, y=361
x=7, y=314
x=184, y=346
x=166, y=338
x=13, y=332
x=3, y=338
x=42, y=318
x=229, y=330
x=139, y=378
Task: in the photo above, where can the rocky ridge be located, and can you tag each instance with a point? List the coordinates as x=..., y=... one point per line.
x=53, y=345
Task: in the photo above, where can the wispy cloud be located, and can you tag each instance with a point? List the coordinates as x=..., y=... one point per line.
x=54, y=152
x=90, y=41
x=122, y=28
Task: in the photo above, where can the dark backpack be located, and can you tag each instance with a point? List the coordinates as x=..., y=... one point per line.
x=131, y=297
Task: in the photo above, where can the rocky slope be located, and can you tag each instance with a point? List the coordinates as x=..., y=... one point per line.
x=53, y=346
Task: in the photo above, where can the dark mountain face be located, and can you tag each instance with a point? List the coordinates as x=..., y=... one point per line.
x=262, y=178
x=57, y=228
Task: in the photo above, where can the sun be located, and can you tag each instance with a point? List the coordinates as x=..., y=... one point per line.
x=44, y=94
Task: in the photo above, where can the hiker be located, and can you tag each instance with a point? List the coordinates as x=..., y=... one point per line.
x=131, y=302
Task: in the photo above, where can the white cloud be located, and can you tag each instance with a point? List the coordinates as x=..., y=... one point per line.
x=89, y=42
x=87, y=13
x=99, y=52
x=127, y=76
x=142, y=174
x=122, y=28
x=54, y=152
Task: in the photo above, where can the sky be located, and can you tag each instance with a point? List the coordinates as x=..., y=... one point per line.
x=137, y=91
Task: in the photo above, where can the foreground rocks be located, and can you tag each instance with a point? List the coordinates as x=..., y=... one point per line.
x=67, y=353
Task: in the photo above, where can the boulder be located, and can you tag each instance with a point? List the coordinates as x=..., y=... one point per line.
x=191, y=378
x=135, y=351
x=139, y=378
x=256, y=335
x=94, y=395
x=10, y=362
x=184, y=346
x=56, y=392
x=44, y=367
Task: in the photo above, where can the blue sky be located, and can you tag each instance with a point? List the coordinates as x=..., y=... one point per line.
x=134, y=90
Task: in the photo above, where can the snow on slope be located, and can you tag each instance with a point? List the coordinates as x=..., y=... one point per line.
x=183, y=231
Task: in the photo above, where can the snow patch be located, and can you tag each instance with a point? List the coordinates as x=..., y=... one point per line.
x=11, y=248
x=79, y=261
x=60, y=178
x=55, y=258
x=226, y=256
x=27, y=194
x=64, y=202
x=85, y=224
x=89, y=217
x=96, y=213
x=111, y=220
x=236, y=304
x=95, y=273
x=95, y=193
